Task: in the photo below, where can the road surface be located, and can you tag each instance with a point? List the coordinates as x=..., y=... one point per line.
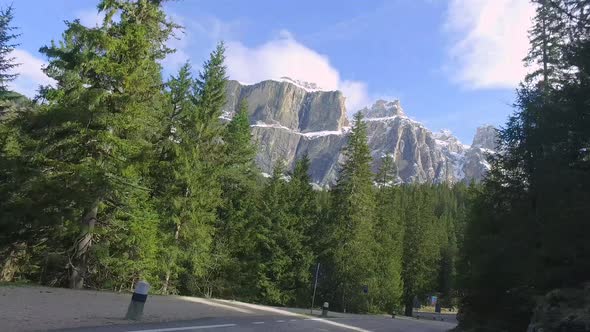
x=28, y=309
x=280, y=323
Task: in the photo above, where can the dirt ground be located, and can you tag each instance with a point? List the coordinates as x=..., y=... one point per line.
x=43, y=308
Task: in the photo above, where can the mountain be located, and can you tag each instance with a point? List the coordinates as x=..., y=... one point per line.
x=290, y=118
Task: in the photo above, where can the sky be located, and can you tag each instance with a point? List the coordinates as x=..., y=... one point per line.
x=453, y=64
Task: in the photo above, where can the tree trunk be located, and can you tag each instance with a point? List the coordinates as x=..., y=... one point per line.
x=10, y=264
x=168, y=272
x=79, y=262
x=166, y=281
x=409, y=308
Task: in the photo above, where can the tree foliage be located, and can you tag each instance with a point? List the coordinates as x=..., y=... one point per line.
x=113, y=175
x=532, y=210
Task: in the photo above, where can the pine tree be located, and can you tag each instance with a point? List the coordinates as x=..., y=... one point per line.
x=240, y=183
x=94, y=134
x=530, y=213
x=210, y=89
x=7, y=45
x=302, y=205
x=280, y=259
x=420, y=250
x=546, y=38
x=197, y=168
x=352, y=252
x=389, y=232
x=387, y=172
x=187, y=191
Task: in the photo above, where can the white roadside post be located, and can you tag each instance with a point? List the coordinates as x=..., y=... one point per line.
x=135, y=309
x=325, y=309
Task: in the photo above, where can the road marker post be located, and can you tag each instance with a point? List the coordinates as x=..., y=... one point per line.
x=135, y=309
x=325, y=309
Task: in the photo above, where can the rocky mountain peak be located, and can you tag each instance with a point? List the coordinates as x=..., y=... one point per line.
x=291, y=119
x=383, y=109
x=446, y=140
x=485, y=137
x=308, y=86
x=443, y=134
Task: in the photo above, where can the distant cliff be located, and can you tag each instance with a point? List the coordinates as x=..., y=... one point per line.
x=290, y=119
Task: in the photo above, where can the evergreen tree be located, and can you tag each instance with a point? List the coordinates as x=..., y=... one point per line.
x=352, y=250
x=93, y=138
x=7, y=45
x=240, y=183
x=200, y=136
x=530, y=213
x=280, y=260
x=302, y=205
x=420, y=250
x=387, y=172
x=389, y=232
x=186, y=184
x=546, y=38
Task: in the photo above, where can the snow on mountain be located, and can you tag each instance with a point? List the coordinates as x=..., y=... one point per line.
x=291, y=118
x=307, y=86
x=309, y=135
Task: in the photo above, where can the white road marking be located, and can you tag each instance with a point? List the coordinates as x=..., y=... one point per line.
x=257, y=323
x=261, y=308
x=293, y=320
x=184, y=328
x=344, y=326
x=280, y=321
x=214, y=304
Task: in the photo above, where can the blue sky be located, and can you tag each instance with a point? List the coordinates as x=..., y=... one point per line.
x=452, y=63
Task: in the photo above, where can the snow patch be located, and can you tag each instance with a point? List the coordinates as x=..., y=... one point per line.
x=226, y=115
x=441, y=142
x=443, y=134
x=315, y=134
x=244, y=83
x=386, y=118
x=309, y=135
x=270, y=125
x=307, y=86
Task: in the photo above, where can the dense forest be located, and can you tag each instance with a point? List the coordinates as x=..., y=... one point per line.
x=114, y=175
x=526, y=247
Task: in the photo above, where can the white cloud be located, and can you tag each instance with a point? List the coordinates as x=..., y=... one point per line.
x=197, y=38
x=356, y=93
x=491, y=39
x=30, y=73
x=284, y=56
x=178, y=42
x=90, y=17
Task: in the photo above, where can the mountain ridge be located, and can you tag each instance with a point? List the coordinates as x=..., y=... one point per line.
x=290, y=119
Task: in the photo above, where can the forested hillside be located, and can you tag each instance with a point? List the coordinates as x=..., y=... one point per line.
x=115, y=174
x=526, y=242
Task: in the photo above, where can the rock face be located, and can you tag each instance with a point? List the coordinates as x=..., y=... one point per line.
x=485, y=137
x=290, y=119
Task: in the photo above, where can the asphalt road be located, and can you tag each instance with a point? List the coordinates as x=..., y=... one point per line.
x=280, y=323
